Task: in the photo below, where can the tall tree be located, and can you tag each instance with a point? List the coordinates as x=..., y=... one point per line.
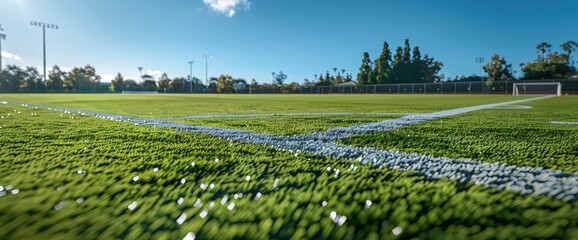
x=14, y=75
x=164, y=82
x=406, y=52
x=399, y=68
x=382, y=65
x=280, y=79
x=55, y=79
x=543, y=47
x=416, y=56
x=148, y=83
x=82, y=79
x=407, y=66
x=569, y=47
x=432, y=69
x=555, y=67
x=320, y=80
x=498, y=69
x=3, y=79
x=225, y=84
x=328, y=78
x=197, y=84
x=32, y=79
x=254, y=86
x=363, y=77
x=178, y=85
x=397, y=58
x=117, y=83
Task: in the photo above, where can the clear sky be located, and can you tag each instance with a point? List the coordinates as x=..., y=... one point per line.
x=252, y=38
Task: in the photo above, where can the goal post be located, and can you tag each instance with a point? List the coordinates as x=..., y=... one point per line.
x=537, y=88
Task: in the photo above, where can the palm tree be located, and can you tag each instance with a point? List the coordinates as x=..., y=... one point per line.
x=543, y=47
x=569, y=48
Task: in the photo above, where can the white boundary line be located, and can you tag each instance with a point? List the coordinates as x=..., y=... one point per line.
x=304, y=114
x=564, y=123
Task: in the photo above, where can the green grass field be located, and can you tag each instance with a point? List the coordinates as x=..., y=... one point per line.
x=183, y=105
x=78, y=176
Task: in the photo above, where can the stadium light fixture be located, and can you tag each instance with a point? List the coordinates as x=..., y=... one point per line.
x=44, y=26
x=191, y=75
x=2, y=37
x=206, y=56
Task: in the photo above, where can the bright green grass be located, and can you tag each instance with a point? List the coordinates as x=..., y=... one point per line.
x=523, y=137
x=171, y=105
x=287, y=125
x=39, y=154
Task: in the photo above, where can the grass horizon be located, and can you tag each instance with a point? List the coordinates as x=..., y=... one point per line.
x=175, y=105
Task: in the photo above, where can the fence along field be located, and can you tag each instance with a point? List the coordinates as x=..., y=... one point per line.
x=284, y=194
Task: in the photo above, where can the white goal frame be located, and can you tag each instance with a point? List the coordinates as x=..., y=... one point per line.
x=515, y=91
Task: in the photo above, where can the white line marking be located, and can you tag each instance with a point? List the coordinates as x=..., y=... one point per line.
x=564, y=123
x=280, y=114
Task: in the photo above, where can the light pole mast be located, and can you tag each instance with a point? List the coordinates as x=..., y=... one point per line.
x=44, y=26
x=206, y=56
x=480, y=60
x=2, y=37
x=191, y=75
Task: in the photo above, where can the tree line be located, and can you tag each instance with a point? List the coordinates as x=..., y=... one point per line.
x=163, y=84
x=328, y=79
x=407, y=65
x=85, y=79
x=15, y=78
x=547, y=65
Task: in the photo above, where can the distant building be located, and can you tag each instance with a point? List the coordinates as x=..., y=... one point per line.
x=347, y=84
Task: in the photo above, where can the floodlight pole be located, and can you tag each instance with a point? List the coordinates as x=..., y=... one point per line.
x=191, y=75
x=44, y=26
x=206, y=56
x=2, y=37
x=480, y=60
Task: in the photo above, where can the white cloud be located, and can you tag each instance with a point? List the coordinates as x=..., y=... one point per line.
x=10, y=56
x=227, y=7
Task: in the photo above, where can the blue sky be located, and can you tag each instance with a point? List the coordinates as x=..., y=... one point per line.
x=252, y=38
